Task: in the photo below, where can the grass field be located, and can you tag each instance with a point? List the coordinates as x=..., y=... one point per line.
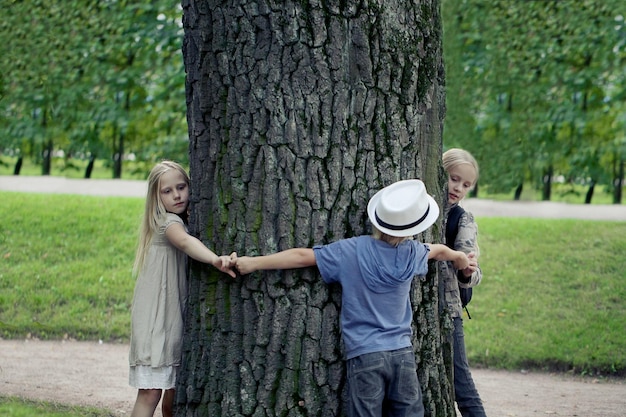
x=15, y=407
x=551, y=298
x=66, y=265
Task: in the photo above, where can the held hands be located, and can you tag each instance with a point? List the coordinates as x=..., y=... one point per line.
x=226, y=264
x=473, y=265
x=244, y=264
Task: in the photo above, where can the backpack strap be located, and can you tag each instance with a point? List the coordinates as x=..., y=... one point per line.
x=452, y=229
x=452, y=225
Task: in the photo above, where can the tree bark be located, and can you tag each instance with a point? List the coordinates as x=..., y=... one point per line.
x=298, y=112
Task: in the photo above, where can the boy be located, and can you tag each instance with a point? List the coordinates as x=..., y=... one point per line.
x=375, y=273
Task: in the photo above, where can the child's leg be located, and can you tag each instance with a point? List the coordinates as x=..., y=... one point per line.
x=146, y=402
x=366, y=385
x=465, y=392
x=167, y=405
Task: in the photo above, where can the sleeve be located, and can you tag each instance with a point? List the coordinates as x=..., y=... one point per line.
x=169, y=220
x=421, y=256
x=467, y=241
x=328, y=260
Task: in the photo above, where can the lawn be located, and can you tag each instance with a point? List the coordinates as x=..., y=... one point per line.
x=16, y=407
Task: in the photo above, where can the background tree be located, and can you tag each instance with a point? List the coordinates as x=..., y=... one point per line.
x=298, y=112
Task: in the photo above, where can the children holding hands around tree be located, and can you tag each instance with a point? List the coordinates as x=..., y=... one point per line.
x=375, y=273
x=160, y=294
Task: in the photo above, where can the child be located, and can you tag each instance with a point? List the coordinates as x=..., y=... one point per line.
x=161, y=288
x=375, y=273
x=462, y=172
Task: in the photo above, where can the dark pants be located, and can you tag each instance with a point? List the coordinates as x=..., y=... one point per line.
x=384, y=384
x=465, y=394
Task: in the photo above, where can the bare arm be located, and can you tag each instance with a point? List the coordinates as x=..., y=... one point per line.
x=443, y=253
x=287, y=259
x=195, y=249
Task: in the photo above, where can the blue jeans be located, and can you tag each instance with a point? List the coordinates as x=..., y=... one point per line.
x=465, y=393
x=384, y=384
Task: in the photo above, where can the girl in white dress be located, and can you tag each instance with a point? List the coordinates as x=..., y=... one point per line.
x=161, y=289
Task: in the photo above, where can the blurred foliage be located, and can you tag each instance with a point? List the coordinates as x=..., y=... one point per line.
x=535, y=90
x=92, y=79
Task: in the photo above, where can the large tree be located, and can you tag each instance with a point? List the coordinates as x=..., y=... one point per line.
x=298, y=112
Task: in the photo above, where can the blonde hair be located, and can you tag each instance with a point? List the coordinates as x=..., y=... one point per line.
x=154, y=212
x=454, y=157
x=392, y=240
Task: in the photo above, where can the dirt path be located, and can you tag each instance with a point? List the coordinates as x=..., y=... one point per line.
x=93, y=374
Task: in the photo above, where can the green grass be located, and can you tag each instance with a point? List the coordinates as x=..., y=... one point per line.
x=15, y=407
x=551, y=298
x=66, y=265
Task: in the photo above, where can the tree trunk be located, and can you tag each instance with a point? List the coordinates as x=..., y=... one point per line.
x=618, y=182
x=518, y=191
x=590, y=190
x=118, y=152
x=47, y=147
x=118, y=157
x=90, y=165
x=18, y=166
x=297, y=115
x=547, y=183
x=46, y=156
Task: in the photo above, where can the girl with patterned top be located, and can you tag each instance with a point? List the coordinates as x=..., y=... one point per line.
x=462, y=171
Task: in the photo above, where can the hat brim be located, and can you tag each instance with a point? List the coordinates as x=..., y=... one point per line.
x=431, y=218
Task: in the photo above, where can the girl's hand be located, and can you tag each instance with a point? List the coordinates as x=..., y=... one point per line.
x=473, y=265
x=225, y=264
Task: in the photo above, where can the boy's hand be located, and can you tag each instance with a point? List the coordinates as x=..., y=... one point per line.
x=462, y=261
x=245, y=265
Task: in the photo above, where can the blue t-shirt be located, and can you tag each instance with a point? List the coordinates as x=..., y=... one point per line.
x=375, y=278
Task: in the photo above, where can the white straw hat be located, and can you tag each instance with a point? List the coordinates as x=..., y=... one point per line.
x=402, y=209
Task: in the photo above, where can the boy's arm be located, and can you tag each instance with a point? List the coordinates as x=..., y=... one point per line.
x=287, y=259
x=443, y=253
